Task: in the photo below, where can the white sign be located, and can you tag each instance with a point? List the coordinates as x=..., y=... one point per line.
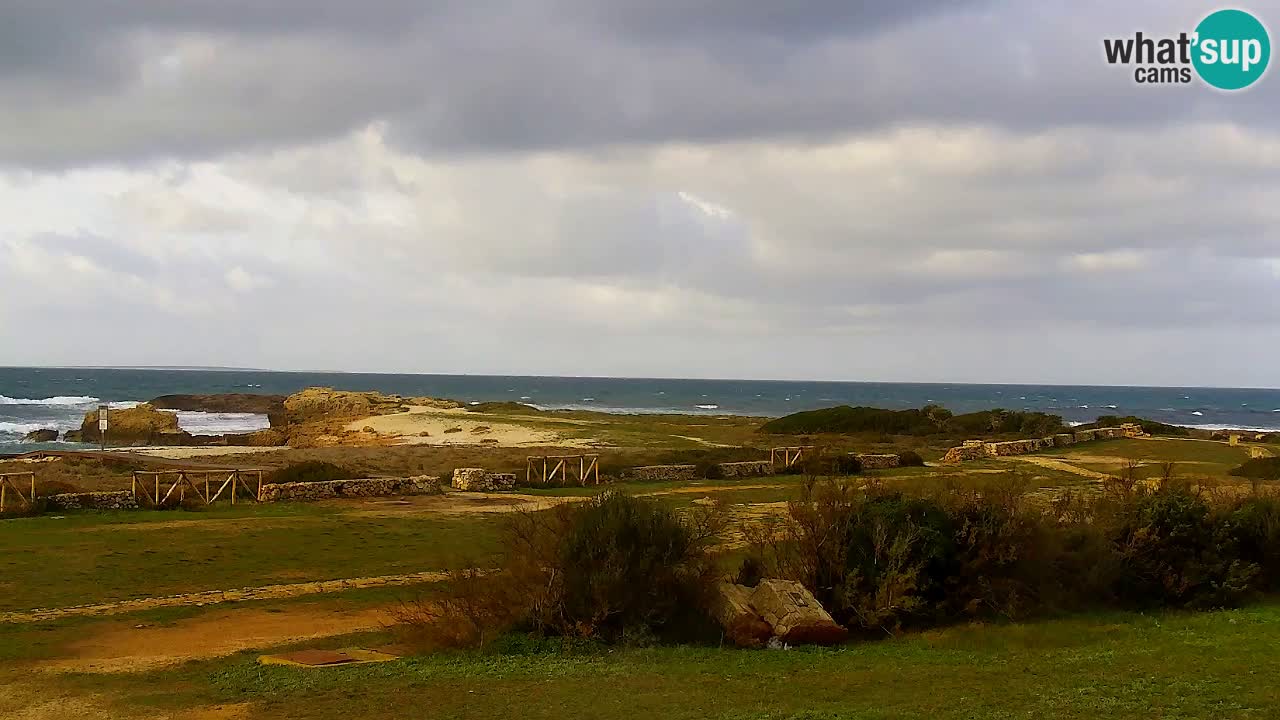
x=102, y=418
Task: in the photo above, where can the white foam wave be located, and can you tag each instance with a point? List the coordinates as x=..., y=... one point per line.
x=57, y=400
x=1219, y=426
x=12, y=428
x=1197, y=413
x=208, y=423
x=709, y=407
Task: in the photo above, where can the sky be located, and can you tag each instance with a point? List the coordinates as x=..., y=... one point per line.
x=924, y=190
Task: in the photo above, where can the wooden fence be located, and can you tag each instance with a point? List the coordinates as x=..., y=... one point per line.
x=789, y=456
x=147, y=485
x=544, y=469
x=11, y=485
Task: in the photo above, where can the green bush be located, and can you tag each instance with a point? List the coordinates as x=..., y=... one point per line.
x=881, y=561
x=910, y=458
x=929, y=420
x=614, y=569
x=1150, y=427
x=1267, y=468
x=311, y=471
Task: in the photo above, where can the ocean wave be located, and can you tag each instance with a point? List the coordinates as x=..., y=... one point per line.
x=708, y=407
x=211, y=423
x=1221, y=426
x=68, y=400
x=12, y=428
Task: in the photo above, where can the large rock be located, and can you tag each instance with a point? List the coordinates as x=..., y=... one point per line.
x=326, y=404
x=258, y=438
x=742, y=625
x=794, y=614
x=140, y=425
x=45, y=435
x=223, y=403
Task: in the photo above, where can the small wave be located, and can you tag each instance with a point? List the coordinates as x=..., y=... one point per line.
x=58, y=400
x=211, y=423
x=474, y=402
x=12, y=428
x=708, y=407
x=1109, y=407
x=1084, y=407
x=525, y=397
x=1196, y=412
x=588, y=399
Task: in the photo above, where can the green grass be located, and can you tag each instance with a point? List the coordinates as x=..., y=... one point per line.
x=89, y=558
x=1198, y=458
x=1114, y=666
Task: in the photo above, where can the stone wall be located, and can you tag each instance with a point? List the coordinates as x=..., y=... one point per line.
x=654, y=473
x=481, y=480
x=965, y=452
x=368, y=487
x=750, y=468
x=116, y=500
x=978, y=449
x=871, y=461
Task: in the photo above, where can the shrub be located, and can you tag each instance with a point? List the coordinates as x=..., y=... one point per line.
x=45, y=488
x=1267, y=468
x=929, y=420
x=1150, y=427
x=311, y=471
x=846, y=465
x=616, y=568
x=910, y=458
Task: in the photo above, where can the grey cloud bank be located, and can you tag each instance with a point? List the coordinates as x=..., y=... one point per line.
x=908, y=191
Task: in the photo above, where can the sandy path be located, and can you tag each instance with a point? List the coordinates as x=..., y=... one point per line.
x=123, y=647
x=1051, y=464
x=213, y=597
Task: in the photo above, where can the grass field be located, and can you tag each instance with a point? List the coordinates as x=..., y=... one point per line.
x=198, y=663
x=86, y=558
x=1120, y=666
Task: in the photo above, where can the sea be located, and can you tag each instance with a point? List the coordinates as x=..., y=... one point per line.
x=58, y=398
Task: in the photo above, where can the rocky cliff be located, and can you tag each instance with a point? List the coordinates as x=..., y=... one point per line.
x=270, y=405
x=140, y=425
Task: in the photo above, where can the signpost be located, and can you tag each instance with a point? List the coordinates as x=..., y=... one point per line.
x=102, y=425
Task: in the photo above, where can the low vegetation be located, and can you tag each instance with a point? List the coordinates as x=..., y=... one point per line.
x=882, y=561
x=311, y=471
x=929, y=420
x=614, y=568
x=1150, y=427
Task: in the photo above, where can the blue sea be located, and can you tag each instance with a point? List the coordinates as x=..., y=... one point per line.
x=32, y=398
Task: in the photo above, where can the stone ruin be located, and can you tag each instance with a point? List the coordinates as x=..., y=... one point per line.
x=657, y=473
x=871, y=461
x=481, y=480
x=979, y=449
x=774, y=611
x=750, y=468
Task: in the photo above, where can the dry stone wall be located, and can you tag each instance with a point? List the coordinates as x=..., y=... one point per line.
x=368, y=487
x=750, y=468
x=481, y=480
x=978, y=449
x=871, y=461
x=655, y=473
x=115, y=500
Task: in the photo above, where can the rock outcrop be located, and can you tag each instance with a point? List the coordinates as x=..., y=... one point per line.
x=481, y=480
x=774, y=609
x=326, y=404
x=44, y=435
x=139, y=425
x=270, y=405
x=258, y=438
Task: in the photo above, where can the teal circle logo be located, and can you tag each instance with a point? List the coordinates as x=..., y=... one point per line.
x=1232, y=49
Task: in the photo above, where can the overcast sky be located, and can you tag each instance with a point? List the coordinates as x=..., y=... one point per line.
x=818, y=189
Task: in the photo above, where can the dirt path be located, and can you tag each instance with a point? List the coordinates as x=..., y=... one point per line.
x=1051, y=464
x=124, y=647
x=213, y=597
